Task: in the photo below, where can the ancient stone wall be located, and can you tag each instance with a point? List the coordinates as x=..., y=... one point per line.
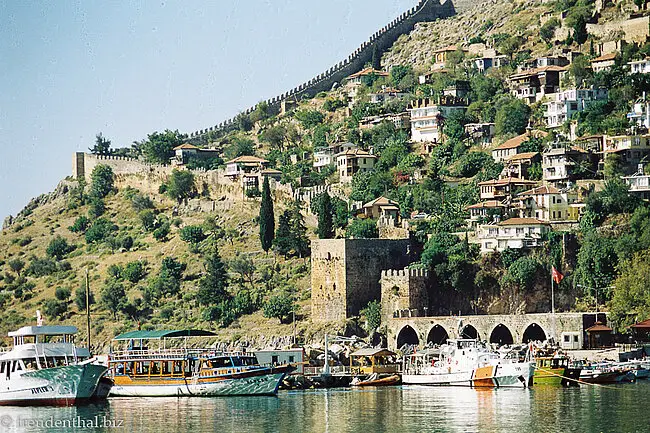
x=404, y=290
x=426, y=10
x=633, y=30
x=328, y=280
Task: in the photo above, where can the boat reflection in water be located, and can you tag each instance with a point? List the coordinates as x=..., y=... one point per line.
x=466, y=362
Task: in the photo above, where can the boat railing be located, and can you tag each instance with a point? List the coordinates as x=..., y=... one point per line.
x=123, y=355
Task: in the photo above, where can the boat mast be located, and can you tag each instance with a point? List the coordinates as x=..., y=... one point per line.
x=88, y=308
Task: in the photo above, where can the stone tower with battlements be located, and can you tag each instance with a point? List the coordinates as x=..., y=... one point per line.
x=404, y=293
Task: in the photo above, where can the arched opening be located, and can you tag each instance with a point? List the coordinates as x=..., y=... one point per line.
x=469, y=332
x=501, y=335
x=437, y=335
x=534, y=332
x=407, y=336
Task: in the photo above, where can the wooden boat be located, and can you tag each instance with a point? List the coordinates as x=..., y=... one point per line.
x=606, y=373
x=555, y=371
x=181, y=371
x=46, y=368
x=375, y=380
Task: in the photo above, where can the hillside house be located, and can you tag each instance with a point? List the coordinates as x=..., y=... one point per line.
x=326, y=156
x=501, y=189
x=185, y=152
x=591, y=143
x=486, y=62
x=480, y=134
x=565, y=104
x=245, y=165
x=386, y=94
x=518, y=165
x=384, y=209
x=354, y=81
x=547, y=203
x=604, y=62
x=640, y=66
x=400, y=120
x=532, y=85
x=512, y=147
x=458, y=89
x=633, y=149
x=490, y=210
x=639, y=183
x=351, y=162
x=442, y=55
x=430, y=76
x=427, y=117
x=640, y=114
x=514, y=233
x=561, y=163
x=543, y=62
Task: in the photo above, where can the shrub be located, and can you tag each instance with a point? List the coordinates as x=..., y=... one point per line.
x=99, y=231
x=279, y=307
x=58, y=248
x=97, y=207
x=101, y=181
x=80, y=225
x=181, y=185
x=148, y=219
x=80, y=298
x=127, y=242
x=16, y=265
x=54, y=309
x=141, y=202
x=362, y=229
x=161, y=233
x=41, y=267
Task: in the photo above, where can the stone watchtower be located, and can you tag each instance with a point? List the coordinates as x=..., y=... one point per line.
x=404, y=293
x=346, y=273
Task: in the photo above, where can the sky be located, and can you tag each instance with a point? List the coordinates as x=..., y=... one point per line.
x=72, y=69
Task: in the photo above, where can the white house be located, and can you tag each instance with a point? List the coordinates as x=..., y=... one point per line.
x=427, y=117
x=564, y=104
x=245, y=165
x=640, y=66
x=324, y=157
x=511, y=147
x=639, y=183
x=604, y=62
x=640, y=114
x=547, y=203
x=355, y=161
x=514, y=233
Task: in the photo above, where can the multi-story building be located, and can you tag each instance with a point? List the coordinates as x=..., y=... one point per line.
x=544, y=61
x=490, y=210
x=640, y=66
x=639, y=183
x=355, y=80
x=512, y=147
x=633, y=150
x=480, y=133
x=532, y=85
x=400, y=120
x=482, y=64
x=351, y=162
x=386, y=94
x=547, y=203
x=640, y=114
x=514, y=233
x=248, y=169
x=427, y=117
x=518, y=165
x=502, y=189
x=565, y=104
x=324, y=157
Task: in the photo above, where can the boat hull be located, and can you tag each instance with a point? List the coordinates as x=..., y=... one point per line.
x=515, y=375
x=59, y=386
x=556, y=376
x=262, y=383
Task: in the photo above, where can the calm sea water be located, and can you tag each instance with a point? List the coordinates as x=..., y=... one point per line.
x=620, y=408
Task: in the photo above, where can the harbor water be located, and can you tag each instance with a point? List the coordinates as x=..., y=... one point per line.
x=616, y=408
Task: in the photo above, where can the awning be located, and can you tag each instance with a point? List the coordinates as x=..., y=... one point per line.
x=159, y=335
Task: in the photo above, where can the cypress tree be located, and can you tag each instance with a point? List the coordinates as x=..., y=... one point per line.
x=376, y=58
x=267, y=219
x=283, y=242
x=299, y=231
x=325, y=223
x=212, y=287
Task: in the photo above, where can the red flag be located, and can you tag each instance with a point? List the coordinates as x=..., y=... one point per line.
x=557, y=276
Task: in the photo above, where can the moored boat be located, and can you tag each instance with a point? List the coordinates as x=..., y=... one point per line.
x=606, y=373
x=556, y=371
x=45, y=367
x=466, y=362
x=375, y=380
x=181, y=371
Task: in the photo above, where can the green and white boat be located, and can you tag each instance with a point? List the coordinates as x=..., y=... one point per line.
x=45, y=367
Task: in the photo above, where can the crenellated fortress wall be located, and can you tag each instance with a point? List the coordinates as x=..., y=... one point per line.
x=426, y=10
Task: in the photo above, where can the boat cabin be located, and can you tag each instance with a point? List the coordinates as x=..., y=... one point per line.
x=369, y=361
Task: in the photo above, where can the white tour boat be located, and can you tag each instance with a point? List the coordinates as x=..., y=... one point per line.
x=44, y=367
x=466, y=362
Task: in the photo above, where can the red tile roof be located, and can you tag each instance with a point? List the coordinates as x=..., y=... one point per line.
x=604, y=57
x=522, y=222
x=247, y=159
x=369, y=71
x=186, y=146
x=541, y=190
x=526, y=155
x=515, y=142
x=508, y=180
x=490, y=204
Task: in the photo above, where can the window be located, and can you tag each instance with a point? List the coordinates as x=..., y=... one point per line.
x=274, y=359
x=575, y=338
x=567, y=338
x=292, y=358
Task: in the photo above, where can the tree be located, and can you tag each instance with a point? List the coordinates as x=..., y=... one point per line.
x=631, y=296
x=158, y=148
x=181, y=185
x=310, y=118
x=54, y=309
x=362, y=229
x=373, y=315
x=547, y=31
x=279, y=307
x=376, y=57
x=192, y=234
x=291, y=236
x=325, y=223
x=212, y=287
x=102, y=145
x=267, y=218
x=580, y=30
x=102, y=181
x=99, y=231
x=134, y=271
x=16, y=265
x=113, y=297
x=512, y=117
x=80, y=224
x=58, y=248
x=97, y=207
x=283, y=239
x=243, y=265
x=62, y=293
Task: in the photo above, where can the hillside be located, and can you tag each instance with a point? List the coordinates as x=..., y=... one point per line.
x=179, y=246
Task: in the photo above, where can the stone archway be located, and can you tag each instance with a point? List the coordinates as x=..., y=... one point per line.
x=437, y=335
x=469, y=331
x=533, y=332
x=407, y=335
x=501, y=335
